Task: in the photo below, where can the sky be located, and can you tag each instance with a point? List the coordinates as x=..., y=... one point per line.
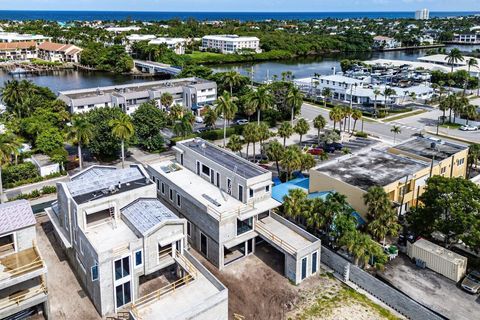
x=242, y=5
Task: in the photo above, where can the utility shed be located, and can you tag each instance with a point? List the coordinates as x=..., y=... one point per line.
x=438, y=259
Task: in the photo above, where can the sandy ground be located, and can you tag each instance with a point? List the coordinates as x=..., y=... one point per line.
x=257, y=289
x=66, y=297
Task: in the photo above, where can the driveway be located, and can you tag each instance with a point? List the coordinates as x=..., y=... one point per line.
x=431, y=289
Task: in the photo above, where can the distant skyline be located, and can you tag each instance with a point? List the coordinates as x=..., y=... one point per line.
x=243, y=6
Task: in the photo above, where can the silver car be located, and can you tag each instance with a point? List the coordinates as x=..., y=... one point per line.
x=471, y=282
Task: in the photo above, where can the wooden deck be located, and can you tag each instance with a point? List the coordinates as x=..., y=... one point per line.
x=20, y=263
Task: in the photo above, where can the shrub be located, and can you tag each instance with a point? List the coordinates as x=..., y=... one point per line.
x=23, y=171
x=361, y=134
x=49, y=189
x=217, y=134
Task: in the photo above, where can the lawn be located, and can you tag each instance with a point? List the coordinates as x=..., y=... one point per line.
x=404, y=115
x=450, y=125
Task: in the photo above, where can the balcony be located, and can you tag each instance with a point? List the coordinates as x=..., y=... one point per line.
x=25, y=295
x=23, y=264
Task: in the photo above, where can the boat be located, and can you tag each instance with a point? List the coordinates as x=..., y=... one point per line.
x=18, y=71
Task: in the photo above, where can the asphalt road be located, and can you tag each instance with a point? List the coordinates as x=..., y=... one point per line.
x=377, y=129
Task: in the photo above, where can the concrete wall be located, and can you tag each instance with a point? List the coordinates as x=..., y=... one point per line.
x=24, y=238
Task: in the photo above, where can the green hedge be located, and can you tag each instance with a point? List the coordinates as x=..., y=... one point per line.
x=217, y=134
x=36, y=193
x=361, y=134
x=20, y=172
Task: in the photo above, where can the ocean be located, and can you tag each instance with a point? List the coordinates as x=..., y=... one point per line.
x=65, y=16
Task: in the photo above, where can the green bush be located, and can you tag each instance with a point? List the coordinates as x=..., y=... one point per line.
x=361, y=134
x=217, y=134
x=23, y=171
x=49, y=189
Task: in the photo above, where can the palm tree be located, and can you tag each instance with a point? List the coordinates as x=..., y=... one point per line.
x=250, y=135
x=388, y=92
x=226, y=106
x=453, y=57
x=235, y=143
x=460, y=106
x=395, y=130
x=336, y=115
x=376, y=93
x=166, y=99
x=473, y=156
x=263, y=133
x=231, y=79
x=301, y=128
x=470, y=112
x=472, y=62
x=347, y=112
x=275, y=152
x=260, y=100
x=356, y=115
x=443, y=106
x=122, y=128
x=9, y=145
x=285, y=131
x=326, y=93
x=294, y=203
x=319, y=123
x=210, y=117
x=176, y=112
x=295, y=100
x=307, y=161
x=81, y=132
x=291, y=160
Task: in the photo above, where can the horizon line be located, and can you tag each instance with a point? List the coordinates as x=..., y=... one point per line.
x=201, y=11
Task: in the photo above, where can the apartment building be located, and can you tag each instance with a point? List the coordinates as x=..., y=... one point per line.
x=59, y=52
x=128, y=249
x=192, y=93
x=23, y=273
x=423, y=14
x=381, y=42
x=18, y=50
x=228, y=204
x=230, y=43
x=401, y=170
x=469, y=38
x=18, y=37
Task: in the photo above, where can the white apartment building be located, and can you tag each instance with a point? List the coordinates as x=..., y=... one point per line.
x=423, y=14
x=382, y=42
x=192, y=93
x=140, y=37
x=18, y=50
x=129, y=250
x=472, y=38
x=177, y=45
x=18, y=37
x=230, y=43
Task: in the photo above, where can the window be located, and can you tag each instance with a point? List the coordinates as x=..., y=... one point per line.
x=179, y=203
x=80, y=245
x=181, y=159
x=198, y=168
x=163, y=188
x=122, y=268
x=304, y=268
x=138, y=258
x=158, y=184
x=218, y=179
x=189, y=229
x=244, y=226
x=240, y=193
x=251, y=193
x=123, y=294
x=229, y=186
x=314, y=262
x=171, y=194
x=203, y=244
x=205, y=170
x=267, y=189
x=443, y=170
x=460, y=161
x=94, y=272
x=212, y=177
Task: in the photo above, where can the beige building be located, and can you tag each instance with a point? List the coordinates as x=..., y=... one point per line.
x=401, y=170
x=18, y=50
x=59, y=52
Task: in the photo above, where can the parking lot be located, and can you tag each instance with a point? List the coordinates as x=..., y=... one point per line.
x=431, y=289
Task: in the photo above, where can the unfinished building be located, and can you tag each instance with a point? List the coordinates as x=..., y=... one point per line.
x=128, y=249
x=23, y=283
x=228, y=204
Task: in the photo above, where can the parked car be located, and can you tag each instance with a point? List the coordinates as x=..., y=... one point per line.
x=315, y=151
x=200, y=130
x=471, y=283
x=337, y=146
x=468, y=128
x=198, y=119
x=330, y=148
x=241, y=122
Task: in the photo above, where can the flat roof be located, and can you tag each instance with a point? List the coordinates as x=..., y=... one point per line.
x=429, y=148
x=110, y=235
x=15, y=215
x=440, y=251
x=132, y=87
x=442, y=58
x=225, y=158
x=372, y=168
x=145, y=214
x=97, y=182
x=230, y=37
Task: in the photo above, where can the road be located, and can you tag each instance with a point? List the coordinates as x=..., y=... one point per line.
x=377, y=129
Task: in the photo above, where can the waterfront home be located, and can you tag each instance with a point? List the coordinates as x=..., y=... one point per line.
x=192, y=93
x=230, y=43
x=59, y=52
x=177, y=45
x=381, y=42
x=21, y=51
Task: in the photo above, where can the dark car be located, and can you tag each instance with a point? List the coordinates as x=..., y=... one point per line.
x=330, y=148
x=337, y=146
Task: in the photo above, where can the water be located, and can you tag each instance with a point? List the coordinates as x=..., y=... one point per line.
x=65, y=16
x=300, y=67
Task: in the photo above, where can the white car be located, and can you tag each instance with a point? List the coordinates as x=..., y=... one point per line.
x=241, y=122
x=198, y=119
x=468, y=128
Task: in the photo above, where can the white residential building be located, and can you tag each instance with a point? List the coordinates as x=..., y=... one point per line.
x=423, y=14
x=175, y=44
x=59, y=52
x=122, y=29
x=471, y=38
x=17, y=37
x=382, y=42
x=140, y=37
x=129, y=250
x=230, y=43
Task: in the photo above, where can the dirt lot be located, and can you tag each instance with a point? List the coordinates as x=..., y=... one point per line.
x=431, y=289
x=257, y=289
x=67, y=299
